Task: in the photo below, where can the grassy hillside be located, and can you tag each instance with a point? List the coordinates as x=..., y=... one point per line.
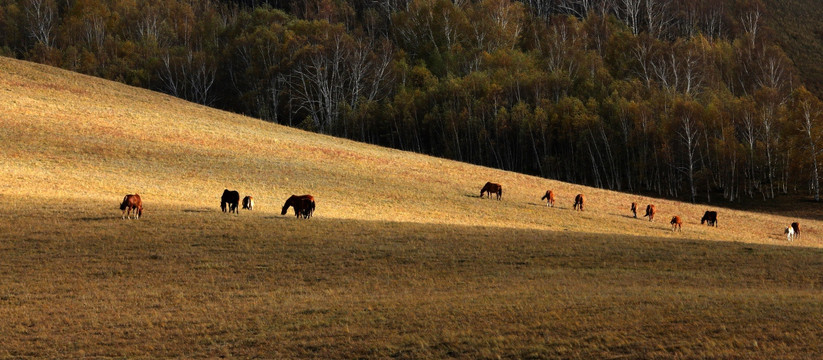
x=401, y=260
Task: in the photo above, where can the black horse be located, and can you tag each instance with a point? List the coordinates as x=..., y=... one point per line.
x=710, y=217
x=229, y=201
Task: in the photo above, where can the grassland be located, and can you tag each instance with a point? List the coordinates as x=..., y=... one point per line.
x=401, y=259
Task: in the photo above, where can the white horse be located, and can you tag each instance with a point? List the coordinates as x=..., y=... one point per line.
x=789, y=233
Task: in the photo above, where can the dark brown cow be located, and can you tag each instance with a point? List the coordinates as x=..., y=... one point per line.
x=578, y=202
x=634, y=209
x=132, y=202
x=248, y=203
x=650, y=211
x=303, y=206
x=549, y=197
x=677, y=223
x=796, y=227
x=492, y=188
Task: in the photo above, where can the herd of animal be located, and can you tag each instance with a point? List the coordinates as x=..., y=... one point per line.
x=304, y=206
x=709, y=217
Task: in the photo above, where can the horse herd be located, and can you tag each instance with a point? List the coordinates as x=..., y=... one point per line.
x=303, y=205
x=709, y=217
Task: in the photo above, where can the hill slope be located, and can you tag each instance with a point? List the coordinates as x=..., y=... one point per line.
x=796, y=26
x=69, y=136
x=402, y=259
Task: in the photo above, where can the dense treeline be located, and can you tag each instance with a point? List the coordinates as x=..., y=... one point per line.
x=680, y=98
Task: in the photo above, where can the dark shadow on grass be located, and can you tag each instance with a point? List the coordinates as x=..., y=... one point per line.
x=97, y=218
x=196, y=210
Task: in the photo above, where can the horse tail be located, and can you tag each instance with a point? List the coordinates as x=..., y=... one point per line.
x=311, y=212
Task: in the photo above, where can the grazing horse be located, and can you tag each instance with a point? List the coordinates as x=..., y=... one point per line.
x=230, y=199
x=248, y=203
x=132, y=202
x=303, y=206
x=790, y=234
x=650, y=211
x=709, y=217
x=677, y=223
x=549, y=197
x=634, y=209
x=578, y=202
x=796, y=228
x=492, y=188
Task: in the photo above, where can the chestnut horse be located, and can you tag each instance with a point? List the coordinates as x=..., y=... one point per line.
x=634, y=209
x=303, y=206
x=578, y=202
x=248, y=203
x=492, y=188
x=677, y=223
x=796, y=228
x=230, y=198
x=650, y=211
x=549, y=197
x=132, y=202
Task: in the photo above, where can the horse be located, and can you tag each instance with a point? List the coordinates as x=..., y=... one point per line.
x=248, y=203
x=634, y=209
x=790, y=234
x=303, y=206
x=710, y=217
x=796, y=228
x=230, y=198
x=677, y=223
x=132, y=202
x=578, y=202
x=650, y=211
x=492, y=188
x=549, y=197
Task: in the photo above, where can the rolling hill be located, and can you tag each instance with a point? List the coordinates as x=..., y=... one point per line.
x=402, y=258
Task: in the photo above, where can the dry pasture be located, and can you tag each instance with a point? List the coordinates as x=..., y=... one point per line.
x=402, y=258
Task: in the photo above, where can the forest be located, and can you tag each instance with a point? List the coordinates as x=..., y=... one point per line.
x=678, y=98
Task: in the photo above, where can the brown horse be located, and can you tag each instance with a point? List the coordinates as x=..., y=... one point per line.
x=677, y=223
x=248, y=203
x=650, y=211
x=796, y=227
x=230, y=200
x=578, y=202
x=303, y=206
x=634, y=209
x=492, y=188
x=132, y=202
x=549, y=197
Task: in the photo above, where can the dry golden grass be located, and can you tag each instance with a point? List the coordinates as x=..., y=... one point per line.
x=401, y=260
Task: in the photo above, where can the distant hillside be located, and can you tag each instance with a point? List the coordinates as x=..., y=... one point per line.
x=798, y=28
x=681, y=99
x=68, y=136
